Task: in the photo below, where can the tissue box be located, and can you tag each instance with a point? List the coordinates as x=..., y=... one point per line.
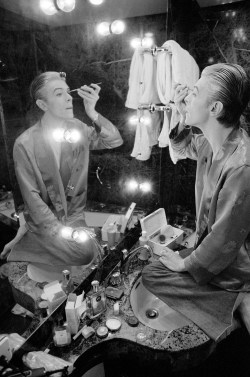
x=156, y=224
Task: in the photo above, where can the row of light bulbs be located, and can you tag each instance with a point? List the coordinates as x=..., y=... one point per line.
x=51, y=7
x=133, y=185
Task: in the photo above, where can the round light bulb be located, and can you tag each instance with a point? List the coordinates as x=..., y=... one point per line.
x=145, y=120
x=133, y=120
x=147, y=42
x=103, y=28
x=66, y=232
x=132, y=185
x=135, y=43
x=96, y=2
x=48, y=7
x=82, y=236
x=117, y=27
x=66, y=5
x=58, y=135
x=72, y=136
x=145, y=187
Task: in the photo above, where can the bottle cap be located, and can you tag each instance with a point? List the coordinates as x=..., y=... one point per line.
x=132, y=321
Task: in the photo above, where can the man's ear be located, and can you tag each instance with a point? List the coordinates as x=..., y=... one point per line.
x=41, y=104
x=216, y=109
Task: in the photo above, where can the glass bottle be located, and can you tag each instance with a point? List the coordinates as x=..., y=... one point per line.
x=67, y=283
x=96, y=300
x=61, y=333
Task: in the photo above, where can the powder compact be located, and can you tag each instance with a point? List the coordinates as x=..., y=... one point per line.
x=113, y=324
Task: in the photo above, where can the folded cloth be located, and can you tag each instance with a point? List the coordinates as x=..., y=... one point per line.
x=209, y=307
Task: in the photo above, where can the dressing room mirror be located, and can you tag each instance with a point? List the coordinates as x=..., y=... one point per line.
x=68, y=41
x=33, y=41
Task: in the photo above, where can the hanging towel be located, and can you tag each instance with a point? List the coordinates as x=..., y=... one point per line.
x=148, y=92
x=177, y=67
x=135, y=80
x=146, y=135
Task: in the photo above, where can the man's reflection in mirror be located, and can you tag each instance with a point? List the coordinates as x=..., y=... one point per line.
x=51, y=164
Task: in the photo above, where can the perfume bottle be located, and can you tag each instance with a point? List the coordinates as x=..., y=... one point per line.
x=61, y=333
x=67, y=283
x=96, y=300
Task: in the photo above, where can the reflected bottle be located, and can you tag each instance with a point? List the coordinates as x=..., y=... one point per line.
x=61, y=333
x=67, y=283
x=96, y=300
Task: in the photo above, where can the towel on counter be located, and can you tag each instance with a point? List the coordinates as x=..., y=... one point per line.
x=177, y=67
x=146, y=135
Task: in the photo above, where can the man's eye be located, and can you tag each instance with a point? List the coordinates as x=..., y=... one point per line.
x=58, y=94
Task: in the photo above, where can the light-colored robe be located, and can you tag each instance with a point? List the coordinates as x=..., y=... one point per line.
x=218, y=268
x=54, y=196
x=222, y=192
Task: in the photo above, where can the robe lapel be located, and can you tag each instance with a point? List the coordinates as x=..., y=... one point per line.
x=52, y=179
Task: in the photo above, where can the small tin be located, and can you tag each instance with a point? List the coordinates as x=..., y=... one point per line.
x=102, y=332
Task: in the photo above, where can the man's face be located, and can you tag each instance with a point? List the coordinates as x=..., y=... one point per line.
x=57, y=100
x=197, y=104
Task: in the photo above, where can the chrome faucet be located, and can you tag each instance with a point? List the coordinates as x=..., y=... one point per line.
x=126, y=262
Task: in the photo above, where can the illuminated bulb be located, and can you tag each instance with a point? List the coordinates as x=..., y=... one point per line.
x=58, y=135
x=211, y=60
x=149, y=35
x=117, y=27
x=72, y=136
x=96, y=2
x=133, y=120
x=147, y=42
x=103, y=28
x=132, y=185
x=145, y=187
x=135, y=43
x=66, y=232
x=48, y=7
x=80, y=236
x=145, y=120
x=66, y=5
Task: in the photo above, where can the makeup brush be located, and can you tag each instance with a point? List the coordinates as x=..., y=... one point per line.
x=74, y=90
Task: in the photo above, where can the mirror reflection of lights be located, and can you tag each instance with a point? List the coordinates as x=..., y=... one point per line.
x=132, y=185
x=80, y=235
x=145, y=187
x=66, y=5
x=96, y=2
x=135, y=43
x=146, y=42
x=48, y=7
x=117, y=27
x=103, y=28
x=143, y=120
x=66, y=232
x=71, y=135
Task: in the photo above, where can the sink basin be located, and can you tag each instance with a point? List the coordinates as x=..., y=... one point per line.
x=153, y=312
